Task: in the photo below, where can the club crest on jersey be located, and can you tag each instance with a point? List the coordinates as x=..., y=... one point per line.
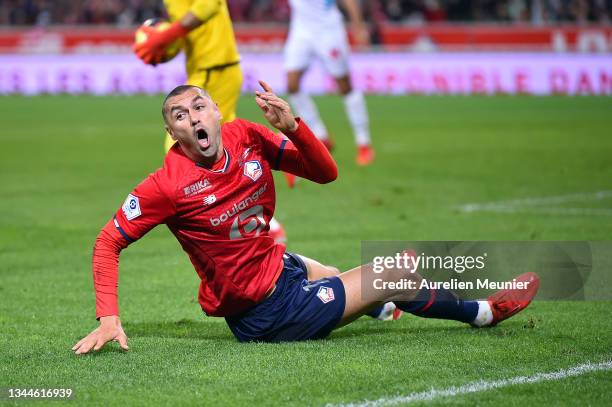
x=131, y=207
x=325, y=294
x=252, y=169
x=210, y=199
x=197, y=187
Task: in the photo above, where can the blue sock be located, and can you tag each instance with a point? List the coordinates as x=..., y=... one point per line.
x=375, y=312
x=440, y=303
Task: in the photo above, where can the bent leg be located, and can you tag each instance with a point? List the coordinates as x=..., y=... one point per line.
x=317, y=270
x=365, y=289
x=360, y=302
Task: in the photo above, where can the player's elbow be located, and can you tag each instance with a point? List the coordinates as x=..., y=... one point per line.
x=330, y=175
x=109, y=240
x=333, y=174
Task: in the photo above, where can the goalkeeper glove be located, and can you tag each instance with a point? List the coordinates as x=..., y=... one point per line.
x=152, y=50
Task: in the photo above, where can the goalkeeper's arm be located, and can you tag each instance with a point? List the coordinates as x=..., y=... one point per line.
x=151, y=51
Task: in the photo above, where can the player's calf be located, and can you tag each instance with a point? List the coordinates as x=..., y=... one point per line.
x=444, y=304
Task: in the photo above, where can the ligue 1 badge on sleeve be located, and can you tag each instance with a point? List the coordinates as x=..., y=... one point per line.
x=131, y=207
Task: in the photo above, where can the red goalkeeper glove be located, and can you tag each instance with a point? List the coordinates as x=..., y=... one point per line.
x=151, y=51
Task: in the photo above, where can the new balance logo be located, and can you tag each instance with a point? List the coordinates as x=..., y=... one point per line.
x=210, y=199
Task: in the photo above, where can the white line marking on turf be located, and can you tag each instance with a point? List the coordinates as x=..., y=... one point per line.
x=482, y=385
x=544, y=205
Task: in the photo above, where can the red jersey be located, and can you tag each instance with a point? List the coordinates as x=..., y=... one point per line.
x=220, y=216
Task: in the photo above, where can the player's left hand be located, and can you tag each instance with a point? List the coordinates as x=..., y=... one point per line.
x=276, y=111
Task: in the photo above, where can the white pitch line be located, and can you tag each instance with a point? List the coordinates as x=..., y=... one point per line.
x=481, y=385
x=543, y=205
x=549, y=210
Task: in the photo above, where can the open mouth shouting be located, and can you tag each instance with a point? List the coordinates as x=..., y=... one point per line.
x=202, y=137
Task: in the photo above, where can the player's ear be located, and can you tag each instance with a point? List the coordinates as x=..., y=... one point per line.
x=218, y=114
x=169, y=131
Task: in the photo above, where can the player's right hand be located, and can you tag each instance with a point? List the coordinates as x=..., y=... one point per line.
x=147, y=54
x=109, y=330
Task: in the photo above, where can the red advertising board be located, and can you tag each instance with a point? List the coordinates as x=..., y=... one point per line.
x=430, y=37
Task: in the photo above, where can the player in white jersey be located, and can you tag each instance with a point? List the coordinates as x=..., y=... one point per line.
x=317, y=31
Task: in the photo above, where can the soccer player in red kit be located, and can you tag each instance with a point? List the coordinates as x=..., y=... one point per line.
x=216, y=194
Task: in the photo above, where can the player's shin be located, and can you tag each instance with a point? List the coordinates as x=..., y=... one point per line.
x=442, y=304
x=305, y=107
x=356, y=110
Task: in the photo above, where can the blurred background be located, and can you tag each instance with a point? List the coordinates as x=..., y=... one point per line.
x=417, y=46
x=126, y=13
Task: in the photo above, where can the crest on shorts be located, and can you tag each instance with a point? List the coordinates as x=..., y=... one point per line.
x=252, y=169
x=325, y=294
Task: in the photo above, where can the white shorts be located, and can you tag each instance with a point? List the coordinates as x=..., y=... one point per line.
x=329, y=45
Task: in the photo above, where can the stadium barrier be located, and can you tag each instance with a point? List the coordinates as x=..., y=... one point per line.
x=384, y=73
x=432, y=37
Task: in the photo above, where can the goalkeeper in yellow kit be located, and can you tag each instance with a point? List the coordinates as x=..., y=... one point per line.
x=212, y=59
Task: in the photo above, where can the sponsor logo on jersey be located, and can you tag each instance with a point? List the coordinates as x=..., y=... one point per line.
x=131, y=207
x=252, y=169
x=248, y=224
x=210, y=199
x=197, y=187
x=239, y=206
x=325, y=294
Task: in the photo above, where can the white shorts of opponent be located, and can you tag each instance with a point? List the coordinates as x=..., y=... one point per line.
x=328, y=43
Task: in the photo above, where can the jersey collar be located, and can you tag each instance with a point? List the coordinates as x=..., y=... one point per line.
x=225, y=167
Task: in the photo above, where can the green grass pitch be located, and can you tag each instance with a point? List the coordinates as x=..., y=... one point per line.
x=67, y=163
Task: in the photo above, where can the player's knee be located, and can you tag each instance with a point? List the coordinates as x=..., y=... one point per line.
x=293, y=81
x=333, y=271
x=293, y=87
x=344, y=85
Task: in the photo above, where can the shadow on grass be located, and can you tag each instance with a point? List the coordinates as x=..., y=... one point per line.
x=386, y=328
x=202, y=330
x=182, y=329
x=459, y=330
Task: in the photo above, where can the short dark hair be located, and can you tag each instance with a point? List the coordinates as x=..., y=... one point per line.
x=178, y=91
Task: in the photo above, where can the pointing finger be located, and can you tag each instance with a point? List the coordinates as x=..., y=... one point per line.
x=265, y=86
